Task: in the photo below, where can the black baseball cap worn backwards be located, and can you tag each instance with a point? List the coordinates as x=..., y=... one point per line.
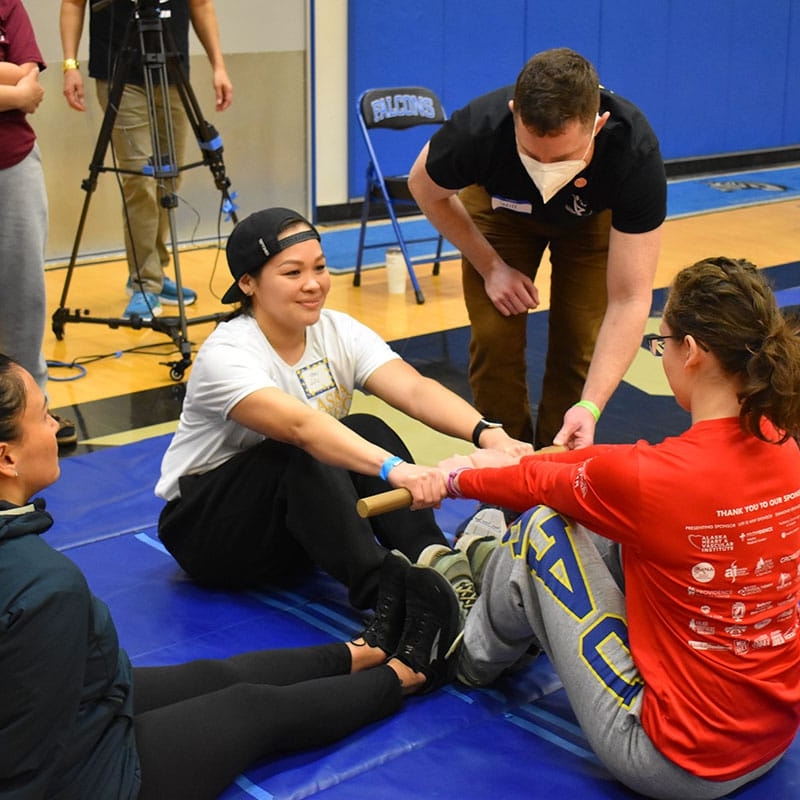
x=254, y=240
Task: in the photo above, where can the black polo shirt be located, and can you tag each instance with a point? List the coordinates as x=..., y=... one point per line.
x=626, y=174
x=107, y=29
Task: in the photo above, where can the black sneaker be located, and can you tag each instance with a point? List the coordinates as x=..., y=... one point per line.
x=66, y=435
x=433, y=627
x=390, y=610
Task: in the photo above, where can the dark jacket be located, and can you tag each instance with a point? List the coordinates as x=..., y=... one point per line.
x=66, y=705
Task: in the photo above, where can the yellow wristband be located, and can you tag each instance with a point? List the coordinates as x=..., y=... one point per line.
x=590, y=407
x=69, y=63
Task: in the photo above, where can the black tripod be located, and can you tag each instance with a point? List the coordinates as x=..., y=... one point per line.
x=146, y=29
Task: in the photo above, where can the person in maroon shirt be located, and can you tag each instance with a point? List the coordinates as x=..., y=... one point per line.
x=23, y=201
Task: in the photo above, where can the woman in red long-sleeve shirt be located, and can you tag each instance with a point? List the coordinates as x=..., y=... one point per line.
x=684, y=673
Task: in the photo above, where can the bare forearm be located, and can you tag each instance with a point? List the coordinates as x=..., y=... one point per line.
x=617, y=342
x=452, y=220
x=449, y=216
x=8, y=98
x=440, y=409
x=71, y=26
x=26, y=94
x=10, y=73
x=325, y=438
x=632, y=260
x=274, y=414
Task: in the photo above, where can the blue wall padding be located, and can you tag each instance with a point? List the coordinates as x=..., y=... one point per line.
x=685, y=197
x=720, y=76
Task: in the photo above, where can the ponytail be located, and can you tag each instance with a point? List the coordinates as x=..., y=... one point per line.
x=728, y=305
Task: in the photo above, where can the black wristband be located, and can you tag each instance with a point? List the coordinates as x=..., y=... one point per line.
x=482, y=425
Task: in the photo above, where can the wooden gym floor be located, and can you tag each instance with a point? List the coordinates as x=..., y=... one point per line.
x=122, y=362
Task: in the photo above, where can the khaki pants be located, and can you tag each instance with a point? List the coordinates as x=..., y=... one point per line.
x=578, y=298
x=145, y=220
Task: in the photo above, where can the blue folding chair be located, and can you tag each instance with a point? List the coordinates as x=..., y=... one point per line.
x=396, y=108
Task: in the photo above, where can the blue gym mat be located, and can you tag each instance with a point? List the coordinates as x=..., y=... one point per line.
x=517, y=739
x=685, y=197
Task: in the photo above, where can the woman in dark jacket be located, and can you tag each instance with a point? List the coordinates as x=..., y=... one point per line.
x=71, y=724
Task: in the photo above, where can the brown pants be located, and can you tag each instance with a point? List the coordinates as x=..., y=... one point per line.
x=578, y=299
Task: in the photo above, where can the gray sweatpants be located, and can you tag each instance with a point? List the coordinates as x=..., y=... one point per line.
x=549, y=584
x=23, y=235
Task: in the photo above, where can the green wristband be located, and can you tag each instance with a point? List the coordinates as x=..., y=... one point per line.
x=590, y=407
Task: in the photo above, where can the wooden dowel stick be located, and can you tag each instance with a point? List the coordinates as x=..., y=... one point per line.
x=401, y=498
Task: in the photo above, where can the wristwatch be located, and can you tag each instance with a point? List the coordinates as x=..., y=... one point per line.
x=482, y=425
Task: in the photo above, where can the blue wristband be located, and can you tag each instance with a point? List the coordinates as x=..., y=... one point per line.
x=389, y=465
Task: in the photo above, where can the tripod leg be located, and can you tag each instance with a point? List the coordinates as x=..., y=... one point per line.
x=165, y=164
x=95, y=168
x=205, y=133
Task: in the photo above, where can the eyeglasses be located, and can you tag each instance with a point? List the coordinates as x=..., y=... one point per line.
x=654, y=342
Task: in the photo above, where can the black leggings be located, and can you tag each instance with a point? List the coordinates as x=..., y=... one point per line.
x=198, y=725
x=272, y=509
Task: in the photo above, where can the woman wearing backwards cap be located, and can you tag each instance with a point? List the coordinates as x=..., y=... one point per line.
x=266, y=466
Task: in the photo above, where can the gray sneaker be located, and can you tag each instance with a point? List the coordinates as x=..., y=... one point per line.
x=454, y=567
x=487, y=521
x=477, y=549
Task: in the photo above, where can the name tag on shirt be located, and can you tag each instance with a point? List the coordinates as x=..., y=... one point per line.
x=316, y=378
x=520, y=206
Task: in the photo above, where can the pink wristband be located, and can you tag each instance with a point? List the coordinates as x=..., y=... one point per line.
x=452, y=491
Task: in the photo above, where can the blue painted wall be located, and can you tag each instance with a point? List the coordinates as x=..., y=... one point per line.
x=713, y=76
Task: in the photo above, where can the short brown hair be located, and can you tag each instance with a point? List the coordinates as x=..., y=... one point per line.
x=554, y=87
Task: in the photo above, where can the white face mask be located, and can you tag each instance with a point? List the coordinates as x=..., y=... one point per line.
x=551, y=178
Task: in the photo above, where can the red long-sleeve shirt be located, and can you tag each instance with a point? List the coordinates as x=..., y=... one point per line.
x=710, y=527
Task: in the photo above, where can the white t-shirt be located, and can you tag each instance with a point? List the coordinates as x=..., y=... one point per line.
x=237, y=360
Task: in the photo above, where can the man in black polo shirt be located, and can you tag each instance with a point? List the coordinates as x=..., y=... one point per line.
x=555, y=161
